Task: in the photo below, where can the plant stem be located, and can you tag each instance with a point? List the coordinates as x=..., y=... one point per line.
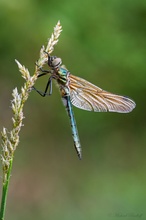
x=5, y=191
x=10, y=139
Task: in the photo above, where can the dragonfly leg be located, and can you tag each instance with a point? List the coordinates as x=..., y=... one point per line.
x=48, y=86
x=44, y=72
x=49, y=83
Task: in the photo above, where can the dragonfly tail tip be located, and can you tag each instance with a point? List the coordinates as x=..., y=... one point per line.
x=80, y=156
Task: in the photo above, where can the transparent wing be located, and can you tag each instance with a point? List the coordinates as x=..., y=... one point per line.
x=85, y=95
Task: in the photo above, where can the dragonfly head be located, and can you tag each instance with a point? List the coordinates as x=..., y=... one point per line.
x=54, y=62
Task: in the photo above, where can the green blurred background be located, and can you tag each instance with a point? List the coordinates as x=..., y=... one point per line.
x=104, y=42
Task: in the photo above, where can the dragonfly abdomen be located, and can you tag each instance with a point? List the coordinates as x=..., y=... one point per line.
x=67, y=103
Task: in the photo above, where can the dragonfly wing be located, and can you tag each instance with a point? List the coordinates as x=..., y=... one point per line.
x=87, y=96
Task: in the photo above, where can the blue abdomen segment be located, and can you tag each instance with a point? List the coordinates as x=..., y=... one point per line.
x=67, y=103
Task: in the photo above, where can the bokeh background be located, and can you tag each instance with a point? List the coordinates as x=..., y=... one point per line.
x=104, y=42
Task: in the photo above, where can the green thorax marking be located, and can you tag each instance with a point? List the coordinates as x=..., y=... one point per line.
x=63, y=75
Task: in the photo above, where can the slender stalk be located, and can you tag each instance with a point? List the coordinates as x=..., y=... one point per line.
x=5, y=192
x=10, y=140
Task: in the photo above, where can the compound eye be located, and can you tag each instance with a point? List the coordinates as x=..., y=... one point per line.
x=56, y=62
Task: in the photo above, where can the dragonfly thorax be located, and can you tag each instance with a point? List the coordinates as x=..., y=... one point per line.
x=54, y=62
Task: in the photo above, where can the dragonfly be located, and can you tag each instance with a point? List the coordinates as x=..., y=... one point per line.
x=82, y=94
